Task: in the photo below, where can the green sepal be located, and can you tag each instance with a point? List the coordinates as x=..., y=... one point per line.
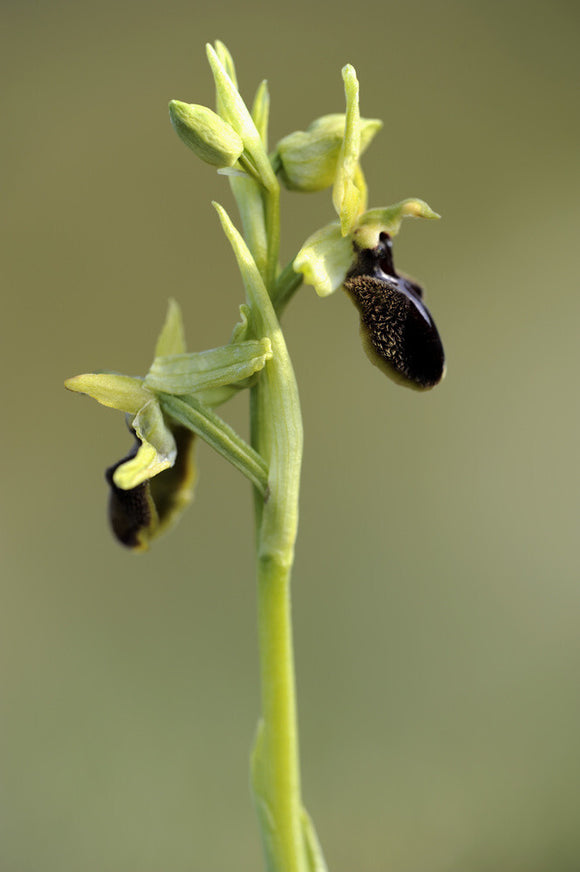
x=211, y=138
x=156, y=452
x=309, y=159
x=226, y=60
x=202, y=370
x=348, y=194
x=388, y=220
x=241, y=331
x=324, y=259
x=191, y=413
x=171, y=340
x=120, y=392
x=261, y=111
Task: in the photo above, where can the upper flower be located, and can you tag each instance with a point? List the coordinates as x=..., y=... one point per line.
x=327, y=255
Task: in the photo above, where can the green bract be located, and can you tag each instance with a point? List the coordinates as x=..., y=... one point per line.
x=327, y=254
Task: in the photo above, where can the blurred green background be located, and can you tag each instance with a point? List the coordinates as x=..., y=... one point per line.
x=437, y=583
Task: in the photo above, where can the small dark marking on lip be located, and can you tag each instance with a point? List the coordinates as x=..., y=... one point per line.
x=398, y=331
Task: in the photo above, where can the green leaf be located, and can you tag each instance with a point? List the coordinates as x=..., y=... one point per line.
x=197, y=371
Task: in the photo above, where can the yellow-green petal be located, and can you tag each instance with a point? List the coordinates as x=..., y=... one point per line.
x=109, y=389
x=324, y=259
x=388, y=220
x=156, y=453
x=347, y=196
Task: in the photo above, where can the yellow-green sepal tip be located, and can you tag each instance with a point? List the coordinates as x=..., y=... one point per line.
x=120, y=392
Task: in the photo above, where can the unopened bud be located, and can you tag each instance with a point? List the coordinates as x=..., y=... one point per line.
x=205, y=133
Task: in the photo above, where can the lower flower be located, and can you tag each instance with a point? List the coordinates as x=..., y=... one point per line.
x=139, y=514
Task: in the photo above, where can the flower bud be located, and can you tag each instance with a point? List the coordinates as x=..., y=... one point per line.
x=309, y=158
x=205, y=133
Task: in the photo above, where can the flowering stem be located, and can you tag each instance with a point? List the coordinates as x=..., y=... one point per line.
x=286, y=286
x=272, y=210
x=276, y=773
x=276, y=433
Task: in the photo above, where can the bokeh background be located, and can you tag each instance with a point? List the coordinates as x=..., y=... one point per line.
x=437, y=583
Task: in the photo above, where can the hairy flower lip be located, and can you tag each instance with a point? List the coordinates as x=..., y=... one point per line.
x=138, y=514
x=399, y=334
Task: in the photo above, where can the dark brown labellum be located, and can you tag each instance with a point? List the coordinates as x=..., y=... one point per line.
x=399, y=333
x=131, y=512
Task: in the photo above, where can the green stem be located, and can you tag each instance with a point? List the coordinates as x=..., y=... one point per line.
x=277, y=750
x=272, y=210
x=276, y=431
x=286, y=286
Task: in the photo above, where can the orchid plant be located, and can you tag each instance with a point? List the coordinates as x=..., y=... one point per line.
x=175, y=402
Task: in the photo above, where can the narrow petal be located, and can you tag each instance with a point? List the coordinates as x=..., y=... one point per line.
x=389, y=220
x=156, y=453
x=346, y=195
x=324, y=259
